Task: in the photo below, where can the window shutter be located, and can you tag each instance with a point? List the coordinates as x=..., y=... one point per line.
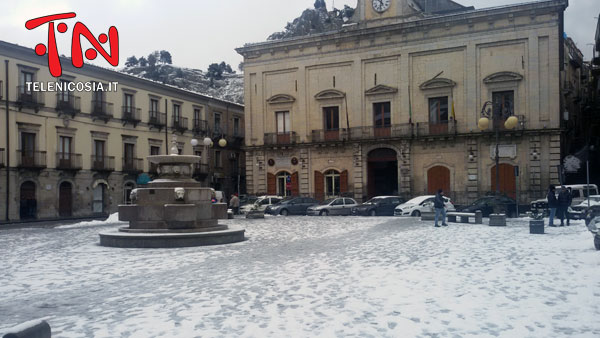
x=344, y=182
x=319, y=185
x=295, y=185
x=271, y=184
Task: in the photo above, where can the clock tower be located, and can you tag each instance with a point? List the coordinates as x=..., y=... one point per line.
x=368, y=10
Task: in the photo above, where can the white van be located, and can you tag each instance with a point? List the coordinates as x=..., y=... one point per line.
x=261, y=203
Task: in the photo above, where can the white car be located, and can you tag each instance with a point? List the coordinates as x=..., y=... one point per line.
x=593, y=200
x=261, y=204
x=418, y=205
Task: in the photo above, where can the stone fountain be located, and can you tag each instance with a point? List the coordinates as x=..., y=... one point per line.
x=172, y=211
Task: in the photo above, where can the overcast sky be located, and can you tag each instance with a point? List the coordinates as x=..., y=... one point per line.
x=200, y=32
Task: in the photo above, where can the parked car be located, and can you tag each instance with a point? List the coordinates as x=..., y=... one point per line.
x=593, y=200
x=418, y=205
x=378, y=206
x=489, y=204
x=261, y=203
x=578, y=191
x=333, y=206
x=247, y=199
x=291, y=206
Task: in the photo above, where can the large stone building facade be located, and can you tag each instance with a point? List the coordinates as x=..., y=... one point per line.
x=79, y=153
x=390, y=104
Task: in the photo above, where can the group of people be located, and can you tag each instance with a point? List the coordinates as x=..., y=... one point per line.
x=559, y=206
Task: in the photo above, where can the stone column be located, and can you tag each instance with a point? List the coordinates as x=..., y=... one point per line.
x=473, y=174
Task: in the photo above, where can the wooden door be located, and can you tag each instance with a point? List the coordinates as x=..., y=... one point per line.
x=319, y=186
x=271, y=184
x=438, y=178
x=295, y=185
x=65, y=200
x=28, y=202
x=508, y=182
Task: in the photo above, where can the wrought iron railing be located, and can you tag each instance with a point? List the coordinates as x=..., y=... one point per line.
x=31, y=159
x=26, y=97
x=133, y=165
x=103, y=163
x=180, y=123
x=102, y=109
x=200, y=126
x=281, y=138
x=131, y=114
x=68, y=161
x=68, y=103
x=157, y=119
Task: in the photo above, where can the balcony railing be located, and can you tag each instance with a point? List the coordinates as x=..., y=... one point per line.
x=521, y=125
x=435, y=129
x=68, y=161
x=157, y=119
x=281, y=138
x=200, y=126
x=131, y=114
x=68, y=103
x=133, y=165
x=29, y=98
x=102, y=110
x=238, y=133
x=103, y=163
x=373, y=132
x=200, y=169
x=180, y=123
x=331, y=135
x=31, y=159
x=219, y=131
x=2, y=165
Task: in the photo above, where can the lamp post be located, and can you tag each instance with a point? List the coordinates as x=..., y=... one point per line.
x=497, y=115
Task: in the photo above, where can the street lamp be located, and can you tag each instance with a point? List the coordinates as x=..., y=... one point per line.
x=497, y=115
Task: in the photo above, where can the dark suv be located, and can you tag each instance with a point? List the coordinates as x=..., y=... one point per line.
x=291, y=206
x=378, y=206
x=490, y=204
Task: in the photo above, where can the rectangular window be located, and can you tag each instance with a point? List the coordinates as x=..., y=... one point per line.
x=197, y=116
x=438, y=110
x=504, y=103
x=128, y=103
x=331, y=116
x=154, y=108
x=382, y=115
x=218, y=162
x=154, y=150
x=99, y=149
x=64, y=94
x=217, y=125
x=25, y=78
x=176, y=112
x=27, y=143
x=98, y=96
x=129, y=152
x=236, y=126
x=283, y=122
x=65, y=146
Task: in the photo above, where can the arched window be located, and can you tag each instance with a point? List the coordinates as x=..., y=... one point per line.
x=127, y=188
x=284, y=184
x=332, y=184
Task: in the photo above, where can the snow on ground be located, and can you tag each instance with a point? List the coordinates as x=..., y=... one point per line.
x=309, y=276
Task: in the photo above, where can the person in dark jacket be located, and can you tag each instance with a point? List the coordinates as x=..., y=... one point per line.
x=563, y=204
x=552, y=204
x=569, y=205
x=438, y=204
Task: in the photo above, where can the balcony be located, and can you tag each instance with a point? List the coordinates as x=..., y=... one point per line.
x=499, y=124
x=384, y=132
x=200, y=127
x=68, y=161
x=200, y=170
x=133, y=165
x=31, y=159
x=288, y=138
x=2, y=165
x=425, y=129
x=219, y=131
x=103, y=163
x=333, y=135
x=67, y=103
x=180, y=124
x=102, y=110
x=157, y=119
x=29, y=99
x=131, y=115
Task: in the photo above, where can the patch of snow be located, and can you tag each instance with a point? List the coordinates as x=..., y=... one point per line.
x=112, y=219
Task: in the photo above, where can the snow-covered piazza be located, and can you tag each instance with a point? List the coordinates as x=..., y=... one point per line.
x=309, y=276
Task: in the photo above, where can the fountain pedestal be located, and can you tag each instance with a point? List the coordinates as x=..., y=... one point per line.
x=172, y=211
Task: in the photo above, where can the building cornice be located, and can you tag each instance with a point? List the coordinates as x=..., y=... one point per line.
x=361, y=31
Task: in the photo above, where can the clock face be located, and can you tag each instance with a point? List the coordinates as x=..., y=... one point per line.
x=381, y=5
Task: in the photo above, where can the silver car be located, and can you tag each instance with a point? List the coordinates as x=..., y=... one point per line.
x=333, y=206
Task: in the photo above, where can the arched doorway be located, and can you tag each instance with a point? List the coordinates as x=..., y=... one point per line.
x=65, y=200
x=28, y=202
x=508, y=181
x=284, y=184
x=382, y=171
x=99, y=193
x=438, y=177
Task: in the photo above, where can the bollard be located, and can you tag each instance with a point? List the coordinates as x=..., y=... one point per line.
x=32, y=329
x=536, y=226
x=478, y=217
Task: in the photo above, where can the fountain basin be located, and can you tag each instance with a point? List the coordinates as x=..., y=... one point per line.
x=171, y=239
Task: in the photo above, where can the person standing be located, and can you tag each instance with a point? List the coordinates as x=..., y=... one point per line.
x=552, y=204
x=563, y=204
x=234, y=202
x=440, y=208
x=569, y=205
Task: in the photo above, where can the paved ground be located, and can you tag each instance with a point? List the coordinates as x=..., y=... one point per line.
x=304, y=276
